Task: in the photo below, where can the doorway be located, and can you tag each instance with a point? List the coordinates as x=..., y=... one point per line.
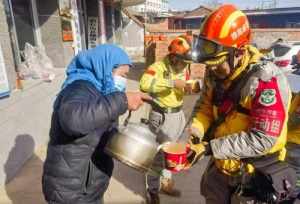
x=26, y=23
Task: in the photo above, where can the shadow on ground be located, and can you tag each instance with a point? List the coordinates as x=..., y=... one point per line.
x=26, y=184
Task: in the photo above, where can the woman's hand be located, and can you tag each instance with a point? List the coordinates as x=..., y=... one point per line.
x=136, y=99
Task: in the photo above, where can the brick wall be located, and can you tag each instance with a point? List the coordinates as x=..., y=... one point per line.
x=162, y=25
x=262, y=37
x=265, y=37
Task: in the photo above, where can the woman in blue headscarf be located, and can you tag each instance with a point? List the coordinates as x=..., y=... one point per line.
x=85, y=115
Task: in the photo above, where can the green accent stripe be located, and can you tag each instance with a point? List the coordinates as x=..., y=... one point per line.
x=298, y=183
x=152, y=85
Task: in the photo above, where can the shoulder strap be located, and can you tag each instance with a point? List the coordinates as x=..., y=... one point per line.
x=233, y=94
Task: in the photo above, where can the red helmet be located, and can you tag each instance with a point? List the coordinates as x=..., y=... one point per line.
x=181, y=47
x=226, y=27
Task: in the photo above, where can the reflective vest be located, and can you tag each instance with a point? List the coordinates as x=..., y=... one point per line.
x=158, y=82
x=294, y=120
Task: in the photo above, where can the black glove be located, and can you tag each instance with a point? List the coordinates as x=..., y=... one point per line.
x=197, y=151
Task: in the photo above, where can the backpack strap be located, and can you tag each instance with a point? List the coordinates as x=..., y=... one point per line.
x=232, y=98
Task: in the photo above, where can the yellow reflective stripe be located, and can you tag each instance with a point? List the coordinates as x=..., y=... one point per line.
x=216, y=61
x=184, y=43
x=228, y=23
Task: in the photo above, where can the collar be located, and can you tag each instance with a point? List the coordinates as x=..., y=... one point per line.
x=251, y=56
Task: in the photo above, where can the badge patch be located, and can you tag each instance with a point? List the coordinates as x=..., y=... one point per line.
x=268, y=97
x=151, y=72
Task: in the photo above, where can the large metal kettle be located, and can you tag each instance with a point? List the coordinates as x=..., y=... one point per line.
x=135, y=144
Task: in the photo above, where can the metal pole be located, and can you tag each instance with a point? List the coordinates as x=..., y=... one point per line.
x=102, y=29
x=76, y=27
x=145, y=32
x=13, y=34
x=113, y=22
x=37, y=33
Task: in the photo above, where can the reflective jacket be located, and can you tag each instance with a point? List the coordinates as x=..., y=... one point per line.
x=158, y=82
x=294, y=120
x=266, y=95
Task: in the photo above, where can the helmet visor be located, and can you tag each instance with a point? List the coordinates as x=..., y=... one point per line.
x=187, y=57
x=203, y=49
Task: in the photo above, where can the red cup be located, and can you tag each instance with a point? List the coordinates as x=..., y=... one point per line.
x=175, y=156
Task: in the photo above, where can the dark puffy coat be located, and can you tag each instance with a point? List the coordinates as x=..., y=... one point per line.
x=76, y=170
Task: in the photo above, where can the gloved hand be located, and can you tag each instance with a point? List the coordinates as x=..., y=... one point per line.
x=197, y=150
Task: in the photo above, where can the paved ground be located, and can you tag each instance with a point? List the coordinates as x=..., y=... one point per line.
x=127, y=185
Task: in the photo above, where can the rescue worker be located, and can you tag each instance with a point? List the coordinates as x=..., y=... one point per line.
x=293, y=145
x=242, y=113
x=166, y=82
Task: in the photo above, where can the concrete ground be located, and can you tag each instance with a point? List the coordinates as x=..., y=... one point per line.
x=127, y=184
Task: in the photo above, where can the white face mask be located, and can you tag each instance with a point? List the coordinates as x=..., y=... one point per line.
x=120, y=83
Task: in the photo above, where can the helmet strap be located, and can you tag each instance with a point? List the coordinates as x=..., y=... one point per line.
x=231, y=56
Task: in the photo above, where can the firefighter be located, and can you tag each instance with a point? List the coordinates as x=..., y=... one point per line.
x=242, y=113
x=167, y=81
x=293, y=145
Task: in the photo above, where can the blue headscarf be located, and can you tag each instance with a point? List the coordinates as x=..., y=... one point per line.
x=96, y=66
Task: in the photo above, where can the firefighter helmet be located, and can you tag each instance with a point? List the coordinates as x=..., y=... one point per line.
x=225, y=28
x=181, y=47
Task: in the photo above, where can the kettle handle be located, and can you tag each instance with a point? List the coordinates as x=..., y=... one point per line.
x=127, y=119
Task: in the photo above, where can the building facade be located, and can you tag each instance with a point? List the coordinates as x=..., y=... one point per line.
x=153, y=6
x=274, y=18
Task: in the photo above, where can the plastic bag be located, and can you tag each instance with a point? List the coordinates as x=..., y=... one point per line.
x=36, y=65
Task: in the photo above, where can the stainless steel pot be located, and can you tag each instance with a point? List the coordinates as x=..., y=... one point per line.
x=134, y=144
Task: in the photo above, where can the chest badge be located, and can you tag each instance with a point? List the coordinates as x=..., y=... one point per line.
x=268, y=97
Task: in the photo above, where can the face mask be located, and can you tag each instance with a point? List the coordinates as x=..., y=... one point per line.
x=120, y=83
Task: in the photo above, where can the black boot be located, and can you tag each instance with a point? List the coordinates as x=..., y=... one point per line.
x=152, y=197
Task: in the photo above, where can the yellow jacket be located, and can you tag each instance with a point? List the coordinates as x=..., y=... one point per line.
x=294, y=120
x=158, y=82
x=266, y=95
